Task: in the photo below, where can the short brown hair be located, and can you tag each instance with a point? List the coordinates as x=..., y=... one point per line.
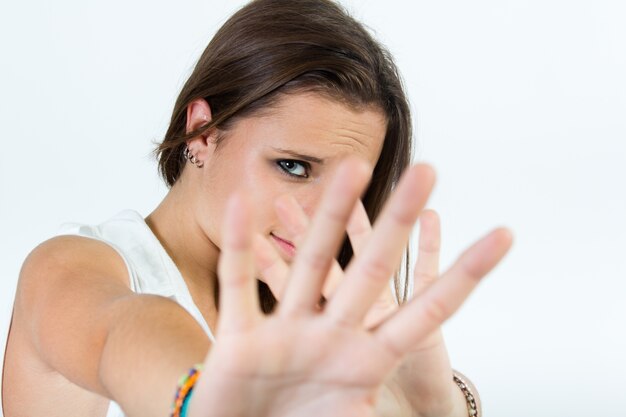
x=274, y=47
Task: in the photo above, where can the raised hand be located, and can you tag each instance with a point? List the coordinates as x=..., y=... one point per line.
x=305, y=361
x=274, y=271
x=425, y=374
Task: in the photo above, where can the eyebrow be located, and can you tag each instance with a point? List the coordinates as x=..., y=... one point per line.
x=308, y=158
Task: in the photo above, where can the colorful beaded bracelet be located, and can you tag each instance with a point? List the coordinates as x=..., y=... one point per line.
x=184, y=391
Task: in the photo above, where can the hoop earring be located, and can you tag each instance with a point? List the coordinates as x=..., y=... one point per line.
x=192, y=158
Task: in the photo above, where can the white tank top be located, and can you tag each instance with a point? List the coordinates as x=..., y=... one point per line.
x=150, y=269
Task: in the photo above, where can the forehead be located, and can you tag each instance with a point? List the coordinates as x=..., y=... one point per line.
x=314, y=124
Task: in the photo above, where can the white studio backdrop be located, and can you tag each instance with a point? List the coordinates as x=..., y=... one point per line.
x=519, y=105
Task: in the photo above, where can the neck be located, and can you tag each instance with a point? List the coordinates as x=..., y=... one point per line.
x=174, y=223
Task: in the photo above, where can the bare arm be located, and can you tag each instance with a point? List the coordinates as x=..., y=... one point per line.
x=85, y=323
x=154, y=342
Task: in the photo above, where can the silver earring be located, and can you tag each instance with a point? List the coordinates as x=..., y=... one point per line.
x=192, y=158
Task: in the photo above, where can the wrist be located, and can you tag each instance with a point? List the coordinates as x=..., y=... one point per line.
x=471, y=405
x=392, y=402
x=184, y=391
x=457, y=406
x=461, y=400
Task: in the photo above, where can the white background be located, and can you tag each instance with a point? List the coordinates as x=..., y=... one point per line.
x=519, y=105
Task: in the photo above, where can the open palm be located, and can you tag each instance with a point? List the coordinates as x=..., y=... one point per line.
x=306, y=360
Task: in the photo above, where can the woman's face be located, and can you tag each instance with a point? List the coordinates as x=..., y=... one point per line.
x=294, y=148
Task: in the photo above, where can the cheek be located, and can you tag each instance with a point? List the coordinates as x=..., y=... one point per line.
x=309, y=198
x=211, y=204
x=262, y=198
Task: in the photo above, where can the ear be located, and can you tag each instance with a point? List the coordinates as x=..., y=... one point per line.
x=199, y=114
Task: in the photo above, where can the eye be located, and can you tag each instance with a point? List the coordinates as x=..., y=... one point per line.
x=294, y=168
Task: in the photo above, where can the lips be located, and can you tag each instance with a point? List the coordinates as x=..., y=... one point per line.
x=284, y=245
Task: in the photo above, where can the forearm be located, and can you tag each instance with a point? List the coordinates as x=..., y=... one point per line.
x=153, y=342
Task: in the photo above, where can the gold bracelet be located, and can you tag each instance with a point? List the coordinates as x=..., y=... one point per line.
x=471, y=395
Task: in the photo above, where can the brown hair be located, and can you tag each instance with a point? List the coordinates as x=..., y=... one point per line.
x=274, y=47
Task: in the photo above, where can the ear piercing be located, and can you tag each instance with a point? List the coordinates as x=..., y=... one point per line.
x=192, y=158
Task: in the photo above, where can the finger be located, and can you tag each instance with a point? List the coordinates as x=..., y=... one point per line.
x=359, y=227
x=370, y=272
x=427, y=265
x=292, y=216
x=359, y=230
x=425, y=313
x=317, y=252
x=272, y=269
x=239, y=305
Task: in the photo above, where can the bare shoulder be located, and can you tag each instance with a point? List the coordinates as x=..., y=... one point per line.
x=69, y=271
x=66, y=281
x=61, y=317
x=67, y=258
x=70, y=251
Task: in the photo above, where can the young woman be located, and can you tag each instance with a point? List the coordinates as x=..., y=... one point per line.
x=292, y=129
